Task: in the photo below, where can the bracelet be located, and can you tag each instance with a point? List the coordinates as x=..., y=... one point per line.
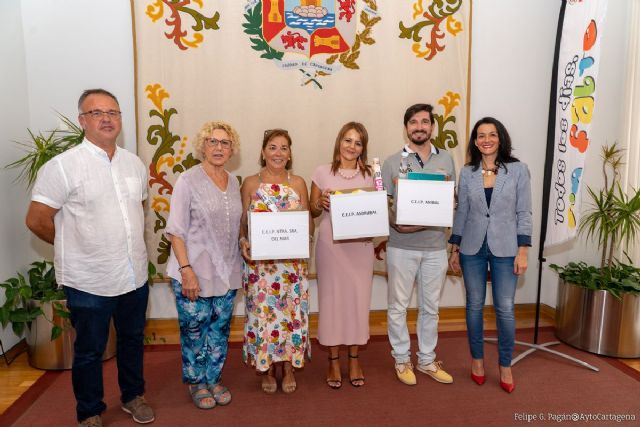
x=184, y=266
x=455, y=250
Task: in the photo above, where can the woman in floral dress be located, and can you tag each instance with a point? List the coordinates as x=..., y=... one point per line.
x=276, y=291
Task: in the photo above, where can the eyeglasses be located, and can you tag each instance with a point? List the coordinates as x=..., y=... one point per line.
x=99, y=114
x=270, y=131
x=224, y=144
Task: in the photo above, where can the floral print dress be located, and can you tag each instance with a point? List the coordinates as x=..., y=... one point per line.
x=276, y=298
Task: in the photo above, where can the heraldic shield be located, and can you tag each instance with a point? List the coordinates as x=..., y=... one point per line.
x=309, y=27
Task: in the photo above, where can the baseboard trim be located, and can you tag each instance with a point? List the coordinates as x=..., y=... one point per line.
x=166, y=331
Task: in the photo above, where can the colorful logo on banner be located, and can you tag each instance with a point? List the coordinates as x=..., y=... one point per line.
x=578, y=65
x=311, y=36
x=184, y=37
x=580, y=99
x=438, y=13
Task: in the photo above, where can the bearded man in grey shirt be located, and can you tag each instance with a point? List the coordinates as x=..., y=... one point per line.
x=416, y=254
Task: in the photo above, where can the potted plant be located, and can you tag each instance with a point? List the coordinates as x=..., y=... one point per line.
x=598, y=308
x=34, y=304
x=41, y=148
x=38, y=285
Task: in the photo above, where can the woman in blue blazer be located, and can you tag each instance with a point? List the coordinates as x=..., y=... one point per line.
x=492, y=228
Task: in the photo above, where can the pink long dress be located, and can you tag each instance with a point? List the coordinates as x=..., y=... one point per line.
x=345, y=272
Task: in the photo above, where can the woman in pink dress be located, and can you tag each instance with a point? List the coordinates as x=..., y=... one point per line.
x=344, y=268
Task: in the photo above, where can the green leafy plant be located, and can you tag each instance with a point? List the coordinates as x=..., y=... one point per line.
x=616, y=278
x=612, y=219
x=38, y=284
x=43, y=147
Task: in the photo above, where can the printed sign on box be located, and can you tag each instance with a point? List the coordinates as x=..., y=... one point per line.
x=428, y=203
x=279, y=235
x=359, y=214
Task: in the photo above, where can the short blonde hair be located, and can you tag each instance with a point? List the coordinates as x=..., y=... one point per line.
x=207, y=130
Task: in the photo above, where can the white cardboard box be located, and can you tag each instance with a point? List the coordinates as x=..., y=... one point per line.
x=359, y=215
x=279, y=235
x=427, y=203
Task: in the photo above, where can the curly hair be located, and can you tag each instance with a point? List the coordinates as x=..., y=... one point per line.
x=207, y=130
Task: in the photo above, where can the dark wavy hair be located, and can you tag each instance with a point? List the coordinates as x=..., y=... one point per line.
x=504, y=148
x=415, y=109
x=364, y=168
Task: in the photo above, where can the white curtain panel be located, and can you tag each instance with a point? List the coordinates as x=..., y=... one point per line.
x=631, y=176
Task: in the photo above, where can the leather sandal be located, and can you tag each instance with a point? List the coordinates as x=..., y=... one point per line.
x=269, y=383
x=289, y=384
x=222, y=396
x=354, y=381
x=198, y=393
x=337, y=383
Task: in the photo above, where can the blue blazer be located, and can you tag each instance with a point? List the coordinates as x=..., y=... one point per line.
x=508, y=217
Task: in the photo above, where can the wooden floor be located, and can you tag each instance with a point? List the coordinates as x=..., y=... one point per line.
x=19, y=376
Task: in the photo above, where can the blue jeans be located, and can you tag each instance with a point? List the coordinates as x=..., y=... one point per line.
x=91, y=316
x=204, y=334
x=503, y=286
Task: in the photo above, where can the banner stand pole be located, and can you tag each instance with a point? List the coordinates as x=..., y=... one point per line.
x=545, y=212
x=543, y=347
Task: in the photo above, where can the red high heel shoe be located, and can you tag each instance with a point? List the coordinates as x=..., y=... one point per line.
x=508, y=387
x=478, y=379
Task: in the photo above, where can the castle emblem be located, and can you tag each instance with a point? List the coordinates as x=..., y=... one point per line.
x=315, y=37
x=309, y=27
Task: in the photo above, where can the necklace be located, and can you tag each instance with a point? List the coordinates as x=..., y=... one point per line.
x=488, y=172
x=353, y=175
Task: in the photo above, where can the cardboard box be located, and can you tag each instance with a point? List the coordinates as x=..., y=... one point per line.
x=359, y=213
x=279, y=235
x=428, y=203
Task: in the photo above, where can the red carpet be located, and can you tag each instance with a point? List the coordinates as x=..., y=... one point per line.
x=546, y=385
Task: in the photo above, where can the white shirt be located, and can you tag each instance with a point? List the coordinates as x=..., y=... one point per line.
x=99, y=245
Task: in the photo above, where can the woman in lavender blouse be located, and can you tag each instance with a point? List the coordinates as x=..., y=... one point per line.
x=205, y=264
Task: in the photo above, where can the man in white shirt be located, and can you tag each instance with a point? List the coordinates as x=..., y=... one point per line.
x=87, y=202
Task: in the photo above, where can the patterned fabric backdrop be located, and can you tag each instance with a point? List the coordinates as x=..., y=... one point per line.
x=308, y=66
